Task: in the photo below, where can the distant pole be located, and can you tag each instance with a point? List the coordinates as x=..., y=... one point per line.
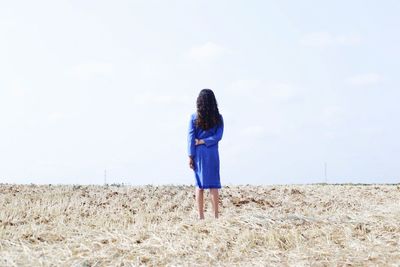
x=326, y=172
x=105, y=176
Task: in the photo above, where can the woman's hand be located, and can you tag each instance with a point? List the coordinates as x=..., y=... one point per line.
x=199, y=142
x=191, y=163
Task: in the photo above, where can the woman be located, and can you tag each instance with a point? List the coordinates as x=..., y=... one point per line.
x=205, y=131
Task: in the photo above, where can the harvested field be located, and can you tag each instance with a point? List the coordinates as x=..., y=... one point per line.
x=295, y=225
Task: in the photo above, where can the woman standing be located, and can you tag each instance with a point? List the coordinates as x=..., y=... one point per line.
x=205, y=131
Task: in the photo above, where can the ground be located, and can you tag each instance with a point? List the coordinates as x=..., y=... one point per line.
x=283, y=225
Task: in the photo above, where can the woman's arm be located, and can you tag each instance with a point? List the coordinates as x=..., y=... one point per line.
x=191, y=162
x=191, y=138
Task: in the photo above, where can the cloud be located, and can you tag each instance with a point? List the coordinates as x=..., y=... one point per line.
x=283, y=90
x=365, y=79
x=331, y=116
x=91, y=69
x=148, y=97
x=324, y=39
x=270, y=88
x=245, y=87
x=57, y=116
x=253, y=131
x=17, y=89
x=206, y=52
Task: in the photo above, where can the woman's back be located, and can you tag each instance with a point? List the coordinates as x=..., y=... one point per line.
x=201, y=133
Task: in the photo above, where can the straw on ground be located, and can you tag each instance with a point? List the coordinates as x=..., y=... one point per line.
x=320, y=225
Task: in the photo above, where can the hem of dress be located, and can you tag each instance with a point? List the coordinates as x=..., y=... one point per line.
x=209, y=187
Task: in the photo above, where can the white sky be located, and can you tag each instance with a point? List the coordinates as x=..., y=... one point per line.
x=93, y=85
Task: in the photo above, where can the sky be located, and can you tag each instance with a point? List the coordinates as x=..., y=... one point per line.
x=89, y=86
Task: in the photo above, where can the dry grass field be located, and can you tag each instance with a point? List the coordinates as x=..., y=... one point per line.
x=282, y=225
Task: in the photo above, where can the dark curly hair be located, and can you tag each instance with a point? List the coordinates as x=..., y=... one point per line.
x=207, y=110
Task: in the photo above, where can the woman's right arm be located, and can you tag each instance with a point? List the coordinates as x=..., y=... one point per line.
x=191, y=138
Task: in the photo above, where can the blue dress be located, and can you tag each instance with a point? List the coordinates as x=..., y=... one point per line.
x=205, y=156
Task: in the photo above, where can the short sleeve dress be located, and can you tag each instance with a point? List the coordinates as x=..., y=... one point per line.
x=205, y=156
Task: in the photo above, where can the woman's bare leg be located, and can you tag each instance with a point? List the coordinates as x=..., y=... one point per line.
x=200, y=202
x=214, y=200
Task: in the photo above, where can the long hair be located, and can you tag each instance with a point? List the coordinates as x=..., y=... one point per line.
x=207, y=110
